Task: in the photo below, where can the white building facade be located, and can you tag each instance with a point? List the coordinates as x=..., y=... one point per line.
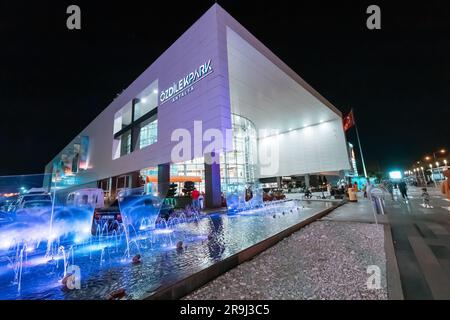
x=216, y=82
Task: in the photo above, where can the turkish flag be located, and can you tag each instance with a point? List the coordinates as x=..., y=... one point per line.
x=349, y=121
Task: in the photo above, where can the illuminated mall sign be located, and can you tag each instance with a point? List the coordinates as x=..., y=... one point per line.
x=185, y=85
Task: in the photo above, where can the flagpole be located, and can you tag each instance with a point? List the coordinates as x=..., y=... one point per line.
x=359, y=143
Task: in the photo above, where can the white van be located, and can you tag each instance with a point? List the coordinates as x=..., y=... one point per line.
x=37, y=191
x=83, y=197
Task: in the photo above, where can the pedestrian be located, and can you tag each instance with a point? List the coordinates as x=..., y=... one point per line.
x=201, y=199
x=195, y=202
x=390, y=189
x=369, y=188
x=403, y=189
x=308, y=193
x=426, y=198
x=364, y=190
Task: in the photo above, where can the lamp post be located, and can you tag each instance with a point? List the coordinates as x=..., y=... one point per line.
x=445, y=168
x=431, y=168
x=423, y=175
x=441, y=151
x=419, y=177
x=438, y=170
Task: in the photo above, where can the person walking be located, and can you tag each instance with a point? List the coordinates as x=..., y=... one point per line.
x=195, y=195
x=426, y=198
x=201, y=200
x=403, y=189
x=390, y=189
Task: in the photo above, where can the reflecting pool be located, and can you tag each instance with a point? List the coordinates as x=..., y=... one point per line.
x=35, y=261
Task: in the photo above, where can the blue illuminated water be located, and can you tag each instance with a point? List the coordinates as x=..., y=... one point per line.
x=105, y=262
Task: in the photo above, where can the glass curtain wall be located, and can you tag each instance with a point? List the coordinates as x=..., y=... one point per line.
x=238, y=167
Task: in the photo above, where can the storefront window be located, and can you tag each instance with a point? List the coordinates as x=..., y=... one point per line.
x=193, y=168
x=151, y=179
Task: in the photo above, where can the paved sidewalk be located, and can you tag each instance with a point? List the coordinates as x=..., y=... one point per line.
x=416, y=244
x=422, y=244
x=360, y=211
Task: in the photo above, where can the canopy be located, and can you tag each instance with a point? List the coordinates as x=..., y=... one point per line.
x=174, y=179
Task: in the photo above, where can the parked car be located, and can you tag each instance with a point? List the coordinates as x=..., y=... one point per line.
x=85, y=197
x=7, y=203
x=30, y=197
x=37, y=191
x=106, y=219
x=33, y=211
x=33, y=218
x=36, y=204
x=5, y=218
x=136, y=208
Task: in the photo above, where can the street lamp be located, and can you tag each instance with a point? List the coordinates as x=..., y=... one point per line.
x=423, y=175
x=442, y=151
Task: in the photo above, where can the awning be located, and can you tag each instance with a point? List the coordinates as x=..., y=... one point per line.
x=174, y=179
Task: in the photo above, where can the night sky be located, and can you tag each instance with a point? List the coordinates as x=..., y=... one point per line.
x=53, y=82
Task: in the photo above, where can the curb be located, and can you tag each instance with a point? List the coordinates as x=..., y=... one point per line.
x=394, y=284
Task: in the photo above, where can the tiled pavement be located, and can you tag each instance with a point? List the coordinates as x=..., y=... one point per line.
x=422, y=244
x=420, y=266
x=421, y=241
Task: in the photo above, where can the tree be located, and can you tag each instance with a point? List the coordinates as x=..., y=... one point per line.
x=172, y=192
x=189, y=186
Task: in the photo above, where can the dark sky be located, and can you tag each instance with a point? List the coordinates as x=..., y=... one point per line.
x=53, y=81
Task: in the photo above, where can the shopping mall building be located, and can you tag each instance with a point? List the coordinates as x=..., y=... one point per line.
x=216, y=83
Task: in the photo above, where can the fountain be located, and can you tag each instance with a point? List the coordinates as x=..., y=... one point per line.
x=40, y=246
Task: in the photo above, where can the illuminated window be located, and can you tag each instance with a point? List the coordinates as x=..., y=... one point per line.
x=238, y=167
x=149, y=133
x=136, y=124
x=125, y=143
